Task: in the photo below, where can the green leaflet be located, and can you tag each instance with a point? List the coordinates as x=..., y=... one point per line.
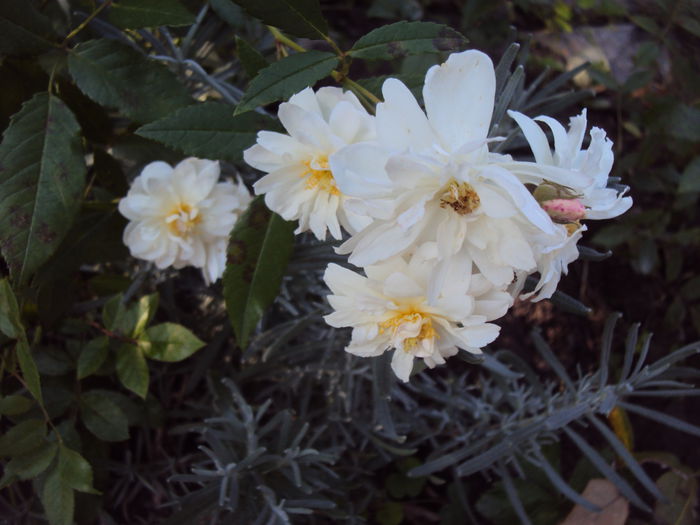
x=208, y=131
x=300, y=18
x=407, y=38
x=42, y=176
x=23, y=30
x=116, y=76
x=135, y=14
x=169, y=342
x=258, y=252
x=285, y=77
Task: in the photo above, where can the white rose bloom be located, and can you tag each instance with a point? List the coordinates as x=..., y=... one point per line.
x=299, y=184
x=389, y=309
x=182, y=216
x=432, y=178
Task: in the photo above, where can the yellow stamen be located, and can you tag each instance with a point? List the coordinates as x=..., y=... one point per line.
x=426, y=330
x=461, y=197
x=319, y=175
x=182, y=219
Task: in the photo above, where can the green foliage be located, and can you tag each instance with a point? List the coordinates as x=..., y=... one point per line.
x=23, y=30
x=135, y=14
x=259, y=249
x=300, y=18
x=251, y=59
x=42, y=176
x=169, y=342
x=285, y=77
x=103, y=417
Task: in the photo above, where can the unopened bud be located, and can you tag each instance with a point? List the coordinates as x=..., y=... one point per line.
x=564, y=210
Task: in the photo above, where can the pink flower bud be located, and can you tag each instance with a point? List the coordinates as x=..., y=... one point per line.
x=564, y=210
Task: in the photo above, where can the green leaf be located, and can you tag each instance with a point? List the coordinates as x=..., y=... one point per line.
x=690, y=179
x=285, y=77
x=58, y=499
x=407, y=38
x=103, y=418
x=136, y=14
x=33, y=463
x=300, y=18
x=208, y=131
x=75, y=471
x=169, y=342
x=146, y=308
x=681, y=491
x=42, y=176
x=10, y=323
x=132, y=369
x=124, y=319
x=683, y=122
x=23, y=30
x=251, y=59
x=92, y=356
x=23, y=437
x=14, y=405
x=29, y=370
x=258, y=252
x=117, y=76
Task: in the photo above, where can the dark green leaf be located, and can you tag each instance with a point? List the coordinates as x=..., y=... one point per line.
x=22, y=29
x=683, y=122
x=208, y=131
x=10, y=323
x=258, y=252
x=169, y=342
x=33, y=463
x=407, y=38
x=285, y=77
x=613, y=235
x=301, y=18
x=251, y=59
x=132, y=369
x=117, y=76
x=690, y=179
x=681, y=491
x=103, y=418
x=135, y=14
x=75, y=471
x=121, y=318
x=58, y=499
x=412, y=82
x=92, y=356
x=29, y=370
x=22, y=437
x=14, y=405
x=42, y=175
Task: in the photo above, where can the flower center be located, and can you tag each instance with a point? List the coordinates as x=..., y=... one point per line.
x=318, y=175
x=461, y=197
x=182, y=219
x=410, y=327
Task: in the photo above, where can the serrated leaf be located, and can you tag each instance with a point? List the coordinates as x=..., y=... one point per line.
x=300, y=18
x=208, y=131
x=407, y=38
x=132, y=369
x=23, y=30
x=14, y=405
x=285, y=77
x=117, y=76
x=258, y=252
x=33, y=463
x=22, y=437
x=92, y=356
x=103, y=418
x=136, y=14
x=75, y=470
x=58, y=499
x=169, y=342
x=42, y=176
x=251, y=59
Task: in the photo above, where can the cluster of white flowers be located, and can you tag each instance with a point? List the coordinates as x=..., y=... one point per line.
x=445, y=230
x=182, y=216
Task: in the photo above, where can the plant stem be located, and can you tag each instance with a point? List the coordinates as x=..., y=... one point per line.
x=86, y=22
x=354, y=86
x=283, y=39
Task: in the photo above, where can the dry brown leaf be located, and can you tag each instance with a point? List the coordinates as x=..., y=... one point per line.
x=603, y=493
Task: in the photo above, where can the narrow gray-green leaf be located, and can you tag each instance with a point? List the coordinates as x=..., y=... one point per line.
x=251, y=59
x=300, y=18
x=169, y=342
x=132, y=369
x=407, y=38
x=22, y=437
x=117, y=76
x=58, y=499
x=42, y=176
x=208, y=130
x=136, y=14
x=23, y=30
x=75, y=470
x=258, y=252
x=92, y=355
x=103, y=418
x=285, y=77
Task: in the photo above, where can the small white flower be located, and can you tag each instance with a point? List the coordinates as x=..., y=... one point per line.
x=390, y=309
x=182, y=216
x=299, y=184
x=430, y=176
